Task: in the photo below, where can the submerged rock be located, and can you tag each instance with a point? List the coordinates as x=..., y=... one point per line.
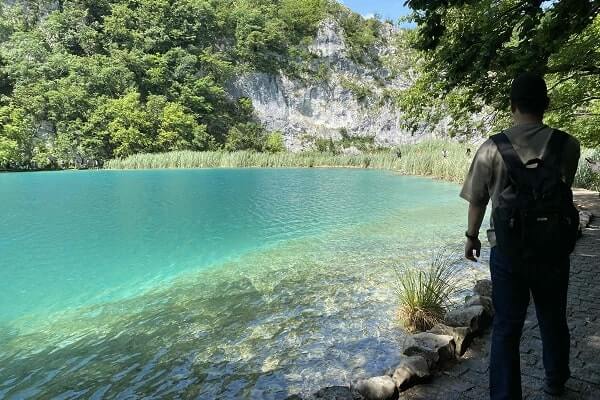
x=411, y=371
x=337, y=393
x=462, y=335
x=330, y=393
x=377, y=388
x=483, y=287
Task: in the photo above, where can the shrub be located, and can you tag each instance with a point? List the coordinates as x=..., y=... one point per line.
x=424, y=291
x=326, y=145
x=245, y=136
x=274, y=143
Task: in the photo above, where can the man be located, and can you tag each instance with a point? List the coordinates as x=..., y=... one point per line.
x=513, y=277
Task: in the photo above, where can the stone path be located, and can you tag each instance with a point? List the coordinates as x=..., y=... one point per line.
x=468, y=378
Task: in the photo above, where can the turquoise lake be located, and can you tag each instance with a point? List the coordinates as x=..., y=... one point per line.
x=207, y=284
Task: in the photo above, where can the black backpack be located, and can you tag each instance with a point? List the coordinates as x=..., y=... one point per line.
x=535, y=218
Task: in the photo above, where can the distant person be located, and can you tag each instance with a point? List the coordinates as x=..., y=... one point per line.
x=527, y=172
x=468, y=151
x=445, y=153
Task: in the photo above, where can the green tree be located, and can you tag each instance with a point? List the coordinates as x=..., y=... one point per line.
x=179, y=130
x=245, y=136
x=478, y=47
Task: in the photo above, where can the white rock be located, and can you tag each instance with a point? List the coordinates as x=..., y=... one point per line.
x=410, y=371
x=433, y=347
x=462, y=335
x=475, y=317
x=377, y=388
x=484, y=301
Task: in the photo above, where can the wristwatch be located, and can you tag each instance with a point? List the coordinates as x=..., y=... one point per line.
x=472, y=237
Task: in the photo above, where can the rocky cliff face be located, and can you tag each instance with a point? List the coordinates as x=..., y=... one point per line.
x=350, y=101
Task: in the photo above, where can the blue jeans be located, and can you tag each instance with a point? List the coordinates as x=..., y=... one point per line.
x=512, y=281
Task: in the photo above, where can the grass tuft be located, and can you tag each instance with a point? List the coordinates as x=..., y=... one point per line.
x=425, y=291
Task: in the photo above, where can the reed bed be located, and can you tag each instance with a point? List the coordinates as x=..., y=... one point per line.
x=425, y=159
x=420, y=159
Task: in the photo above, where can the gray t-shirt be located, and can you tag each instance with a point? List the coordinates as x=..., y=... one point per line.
x=488, y=176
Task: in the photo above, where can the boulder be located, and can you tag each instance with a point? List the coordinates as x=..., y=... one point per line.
x=377, y=388
x=433, y=347
x=483, y=287
x=484, y=301
x=462, y=335
x=474, y=317
x=411, y=371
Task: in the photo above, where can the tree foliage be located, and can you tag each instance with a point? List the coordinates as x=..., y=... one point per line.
x=476, y=48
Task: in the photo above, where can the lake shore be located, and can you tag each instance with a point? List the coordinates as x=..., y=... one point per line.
x=466, y=377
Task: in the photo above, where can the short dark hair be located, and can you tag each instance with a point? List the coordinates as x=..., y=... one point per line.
x=529, y=94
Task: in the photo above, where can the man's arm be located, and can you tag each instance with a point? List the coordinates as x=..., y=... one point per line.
x=475, y=190
x=473, y=244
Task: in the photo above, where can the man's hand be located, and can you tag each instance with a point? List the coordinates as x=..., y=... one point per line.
x=472, y=246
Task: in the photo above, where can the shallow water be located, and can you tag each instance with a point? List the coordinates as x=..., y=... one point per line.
x=229, y=283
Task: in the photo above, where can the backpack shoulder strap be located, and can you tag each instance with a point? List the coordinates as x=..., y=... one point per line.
x=555, y=147
x=509, y=155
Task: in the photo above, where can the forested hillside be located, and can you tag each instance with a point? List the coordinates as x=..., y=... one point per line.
x=84, y=81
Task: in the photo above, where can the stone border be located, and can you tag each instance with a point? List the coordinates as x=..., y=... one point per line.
x=423, y=352
x=430, y=351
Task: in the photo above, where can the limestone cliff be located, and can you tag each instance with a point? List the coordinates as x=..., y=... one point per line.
x=349, y=101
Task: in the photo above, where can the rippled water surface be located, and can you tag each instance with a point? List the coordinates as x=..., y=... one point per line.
x=228, y=283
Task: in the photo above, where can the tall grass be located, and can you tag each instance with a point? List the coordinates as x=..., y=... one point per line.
x=420, y=159
x=425, y=291
x=425, y=159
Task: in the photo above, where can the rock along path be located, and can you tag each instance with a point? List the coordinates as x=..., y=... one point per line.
x=468, y=378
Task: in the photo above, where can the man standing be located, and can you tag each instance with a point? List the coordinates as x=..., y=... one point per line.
x=527, y=172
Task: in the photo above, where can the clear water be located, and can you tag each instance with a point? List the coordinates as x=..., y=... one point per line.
x=227, y=283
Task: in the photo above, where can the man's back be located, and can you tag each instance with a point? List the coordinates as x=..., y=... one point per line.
x=488, y=175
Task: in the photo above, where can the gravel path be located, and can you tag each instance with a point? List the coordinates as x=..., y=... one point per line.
x=468, y=378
